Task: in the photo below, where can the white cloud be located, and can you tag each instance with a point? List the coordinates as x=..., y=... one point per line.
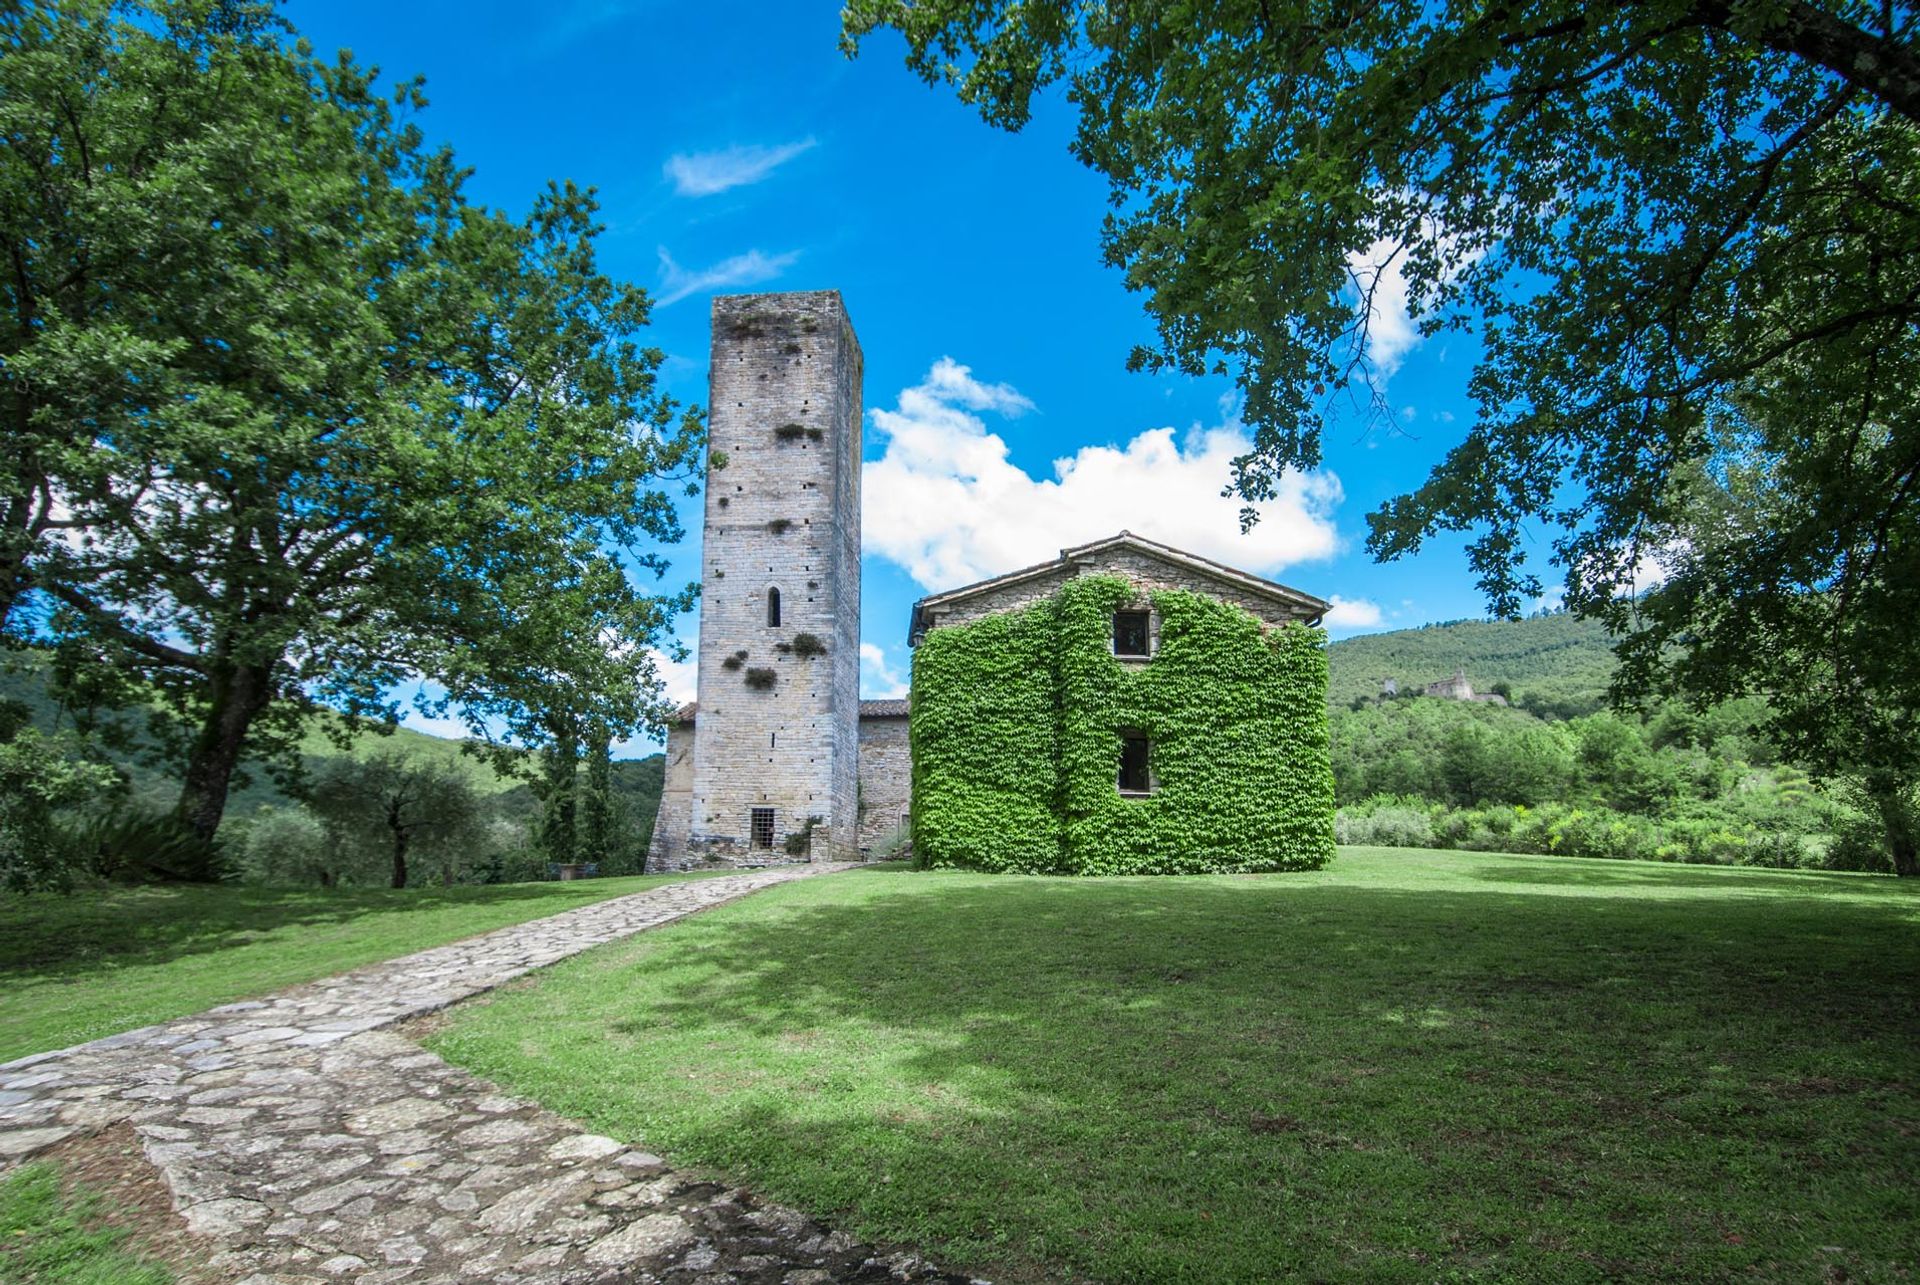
x=1378, y=274
x=878, y=681
x=677, y=675
x=1381, y=284
x=946, y=504
x=1353, y=613
x=705, y=173
x=751, y=268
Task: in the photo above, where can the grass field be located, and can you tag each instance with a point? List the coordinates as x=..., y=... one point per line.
x=99, y=962
x=51, y=1236
x=1411, y=1066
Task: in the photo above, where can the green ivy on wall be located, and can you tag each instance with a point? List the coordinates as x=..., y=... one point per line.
x=1016, y=730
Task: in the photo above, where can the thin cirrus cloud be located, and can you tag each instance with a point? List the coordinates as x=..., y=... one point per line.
x=751, y=268
x=708, y=173
x=946, y=504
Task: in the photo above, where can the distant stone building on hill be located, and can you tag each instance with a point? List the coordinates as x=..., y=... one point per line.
x=1458, y=688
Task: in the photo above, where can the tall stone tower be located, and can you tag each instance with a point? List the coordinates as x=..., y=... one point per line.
x=775, y=753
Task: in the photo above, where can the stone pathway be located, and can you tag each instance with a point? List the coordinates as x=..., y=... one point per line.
x=307, y=1145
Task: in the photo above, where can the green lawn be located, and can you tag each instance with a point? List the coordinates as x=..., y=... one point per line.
x=99, y=962
x=1411, y=1066
x=51, y=1237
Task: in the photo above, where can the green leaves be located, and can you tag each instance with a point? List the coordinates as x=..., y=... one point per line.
x=1016, y=731
x=1681, y=231
x=299, y=423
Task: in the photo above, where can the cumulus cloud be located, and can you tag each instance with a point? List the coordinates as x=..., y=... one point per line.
x=705, y=173
x=1353, y=613
x=946, y=504
x=878, y=679
x=751, y=268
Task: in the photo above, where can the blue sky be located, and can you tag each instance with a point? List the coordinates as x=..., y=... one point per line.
x=735, y=149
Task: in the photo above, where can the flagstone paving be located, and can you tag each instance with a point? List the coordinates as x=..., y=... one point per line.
x=305, y=1144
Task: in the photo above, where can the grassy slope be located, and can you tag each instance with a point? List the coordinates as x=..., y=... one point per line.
x=51, y=1237
x=1556, y=657
x=81, y=967
x=1411, y=1066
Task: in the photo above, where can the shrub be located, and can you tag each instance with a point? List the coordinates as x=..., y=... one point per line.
x=1859, y=843
x=136, y=844
x=762, y=680
x=780, y=526
x=38, y=778
x=800, y=842
x=806, y=646
x=1386, y=821
x=288, y=845
x=735, y=661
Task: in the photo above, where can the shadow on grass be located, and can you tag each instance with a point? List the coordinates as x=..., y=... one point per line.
x=1253, y=1080
x=52, y=936
x=1601, y=872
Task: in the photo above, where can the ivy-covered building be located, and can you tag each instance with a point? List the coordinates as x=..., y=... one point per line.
x=1127, y=708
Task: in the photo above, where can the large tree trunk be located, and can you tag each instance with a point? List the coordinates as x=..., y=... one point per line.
x=399, y=856
x=15, y=542
x=1897, y=814
x=240, y=693
x=1901, y=839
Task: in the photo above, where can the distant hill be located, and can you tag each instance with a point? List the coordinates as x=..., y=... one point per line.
x=1554, y=662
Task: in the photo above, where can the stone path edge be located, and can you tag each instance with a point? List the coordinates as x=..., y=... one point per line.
x=303, y=1143
x=138, y=1033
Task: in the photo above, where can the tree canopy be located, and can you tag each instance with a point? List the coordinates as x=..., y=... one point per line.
x=1681, y=231
x=295, y=422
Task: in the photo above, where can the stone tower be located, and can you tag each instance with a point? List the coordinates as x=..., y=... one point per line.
x=775, y=751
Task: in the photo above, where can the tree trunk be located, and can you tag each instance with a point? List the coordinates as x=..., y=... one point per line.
x=1901, y=840
x=15, y=542
x=1897, y=814
x=597, y=805
x=399, y=849
x=240, y=693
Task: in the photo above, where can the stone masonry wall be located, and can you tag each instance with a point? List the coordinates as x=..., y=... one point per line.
x=667, y=850
x=886, y=779
x=782, y=514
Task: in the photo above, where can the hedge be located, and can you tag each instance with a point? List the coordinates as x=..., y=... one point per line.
x=1016, y=731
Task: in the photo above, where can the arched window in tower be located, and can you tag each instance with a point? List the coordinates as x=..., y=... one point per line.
x=773, y=608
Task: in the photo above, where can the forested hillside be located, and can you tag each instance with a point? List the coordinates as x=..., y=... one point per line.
x=1554, y=662
x=271, y=828
x=1558, y=771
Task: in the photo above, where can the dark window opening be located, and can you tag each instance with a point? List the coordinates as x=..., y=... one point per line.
x=773, y=608
x=763, y=827
x=1130, y=636
x=1134, y=778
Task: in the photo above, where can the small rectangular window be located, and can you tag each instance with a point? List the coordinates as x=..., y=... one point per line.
x=763, y=827
x=1134, y=777
x=1130, y=634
